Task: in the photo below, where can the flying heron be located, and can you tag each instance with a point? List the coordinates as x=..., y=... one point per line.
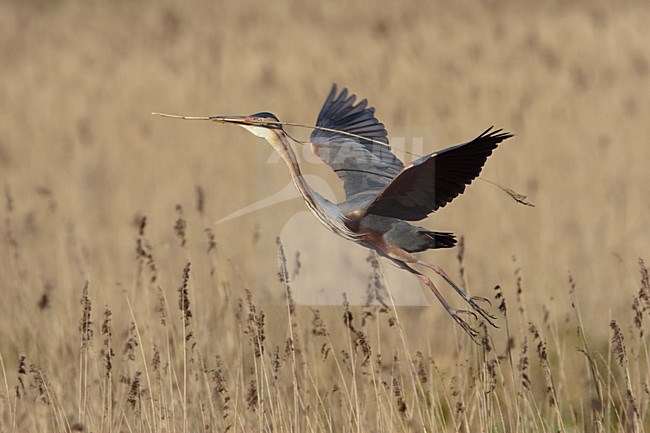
x=381, y=195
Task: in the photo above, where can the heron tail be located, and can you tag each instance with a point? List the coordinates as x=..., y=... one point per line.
x=428, y=240
x=439, y=239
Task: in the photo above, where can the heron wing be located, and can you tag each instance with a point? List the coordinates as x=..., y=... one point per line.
x=436, y=179
x=364, y=166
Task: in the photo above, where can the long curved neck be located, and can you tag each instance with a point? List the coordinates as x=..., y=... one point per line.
x=279, y=142
x=326, y=211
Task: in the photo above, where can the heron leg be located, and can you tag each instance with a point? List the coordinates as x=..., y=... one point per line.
x=454, y=313
x=471, y=300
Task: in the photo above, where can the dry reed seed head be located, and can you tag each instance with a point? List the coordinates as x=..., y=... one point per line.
x=155, y=359
x=297, y=265
x=288, y=348
x=325, y=350
x=396, y=361
x=255, y=326
x=141, y=223
x=379, y=362
x=283, y=274
x=21, y=364
x=276, y=362
x=373, y=260
x=39, y=384
x=107, y=333
x=572, y=284
x=200, y=200
x=239, y=311
x=399, y=398
x=180, y=226
x=550, y=395
x=365, y=316
x=290, y=301
x=501, y=299
x=533, y=330
x=106, y=322
x=131, y=342
x=366, y=349
x=85, y=325
x=618, y=344
x=632, y=412
x=542, y=352
x=519, y=198
x=249, y=299
x=519, y=284
x=420, y=367
x=485, y=338
x=212, y=243
x=184, y=297
x=252, y=397
x=645, y=279
x=20, y=389
x=644, y=290
x=21, y=392
x=459, y=406
x=491, y=367
x=523, y=364
x=359, y=338
x=345, y=358
x=221, y=391
x=347, y=314
x=638, y=315
x=144, y=252
x=161, y=308
x=376, y=287
x=133, y=397
x=219, y=380
x=318, y=326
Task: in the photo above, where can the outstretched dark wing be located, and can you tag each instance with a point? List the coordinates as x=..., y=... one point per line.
x=364, y=166
x=434, y=180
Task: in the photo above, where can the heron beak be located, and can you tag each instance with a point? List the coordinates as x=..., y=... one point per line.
x=238, y=120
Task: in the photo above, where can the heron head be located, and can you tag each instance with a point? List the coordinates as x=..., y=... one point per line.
x=260, y=124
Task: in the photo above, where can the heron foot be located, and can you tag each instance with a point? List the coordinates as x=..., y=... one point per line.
x=455, y=314
x=489, y=318
x=481, y=299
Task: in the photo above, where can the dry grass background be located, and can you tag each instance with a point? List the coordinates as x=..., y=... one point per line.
x=81, y=161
